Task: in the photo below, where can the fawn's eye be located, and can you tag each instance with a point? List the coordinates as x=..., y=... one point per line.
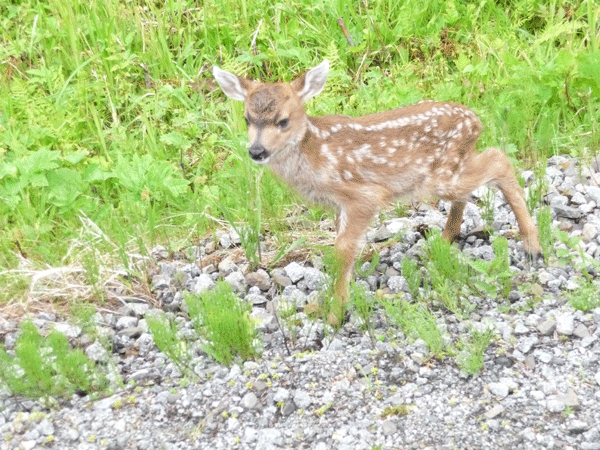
x=246, y=120
x=283, y=123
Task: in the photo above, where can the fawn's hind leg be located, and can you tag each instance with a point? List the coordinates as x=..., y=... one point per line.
x=492, y=166
x=452, y=228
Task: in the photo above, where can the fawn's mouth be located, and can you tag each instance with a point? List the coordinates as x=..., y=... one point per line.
x=260, y=158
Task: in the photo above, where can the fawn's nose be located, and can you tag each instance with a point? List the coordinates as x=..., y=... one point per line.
x=258, y=153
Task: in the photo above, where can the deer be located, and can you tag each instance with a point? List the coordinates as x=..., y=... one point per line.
x=358, y=165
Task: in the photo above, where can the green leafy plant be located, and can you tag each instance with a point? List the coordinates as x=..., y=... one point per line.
x=224, y=321
x=587, y=297
x=450, y=275
x=48, y=366
x=417, y=321
x=364, y=305
x=471, y=350
x=544, y=221
x=165, y=334
x=412, y=274
x=495, y=276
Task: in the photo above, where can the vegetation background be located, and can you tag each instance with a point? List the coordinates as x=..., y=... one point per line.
x=114, y=137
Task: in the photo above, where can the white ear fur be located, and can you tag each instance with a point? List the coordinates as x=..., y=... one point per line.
x=230, y=83
x=314, y=81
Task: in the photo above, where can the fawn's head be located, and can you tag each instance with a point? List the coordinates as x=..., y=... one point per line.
x=274, y=112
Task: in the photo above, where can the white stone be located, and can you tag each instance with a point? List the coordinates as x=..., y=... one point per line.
x=565, y=324
x=203, y=283
x=500, y=390
x=295, y=271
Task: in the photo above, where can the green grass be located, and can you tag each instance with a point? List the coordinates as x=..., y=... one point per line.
x=108, y=111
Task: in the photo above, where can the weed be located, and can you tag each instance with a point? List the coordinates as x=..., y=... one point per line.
x=412, y=274
x=164, y=333
x=398, y=410
x=495, y=275
x=587, y=297
x=417, y=321
x=363, y=305
x=471, y=350
x=47, y=366
x=224, y=321
x=544, y=220
x=323, y=409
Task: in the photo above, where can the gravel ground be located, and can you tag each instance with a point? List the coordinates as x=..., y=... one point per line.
x=539, y=387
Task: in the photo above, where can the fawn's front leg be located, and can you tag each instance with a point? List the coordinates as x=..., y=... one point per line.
x=352, y=224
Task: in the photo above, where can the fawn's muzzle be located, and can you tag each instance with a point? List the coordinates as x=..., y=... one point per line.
x=258, y=153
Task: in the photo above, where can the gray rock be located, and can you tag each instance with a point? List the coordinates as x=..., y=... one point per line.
x=581, y=331
x=45, y=427
x=249, y=401
x=577, y=426
x=593, y=193
x=555, y=405
x=397, y=284
x=565, y=324
x=269, y=438
x=288, y=408
x=527, y=343
x=589, y=232
x=131, y=332
x=295, y=271
x=567, y=212
x=302, y=399
x=280, y=278
x=126, y=322
x=227, y=266
x=266, y=322
x=281, y=395
x=314, y=279
x=494, y=411
x=500, y=390
x=547, y=327
x=260, y=279
x=569, y=398
x=203, y=283
x=70, y=331
x=388, y=427
x=237, y=281
x=380, y=235
x=96, y=352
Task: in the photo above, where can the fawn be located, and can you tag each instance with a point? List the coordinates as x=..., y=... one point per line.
x=357, y=165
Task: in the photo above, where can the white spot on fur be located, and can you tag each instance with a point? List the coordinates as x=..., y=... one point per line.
x=330, y=156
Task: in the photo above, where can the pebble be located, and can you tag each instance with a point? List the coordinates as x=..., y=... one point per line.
x=565, y=324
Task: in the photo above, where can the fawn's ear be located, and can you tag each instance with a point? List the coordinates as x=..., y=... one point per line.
x=233, y=86
x=312, y=82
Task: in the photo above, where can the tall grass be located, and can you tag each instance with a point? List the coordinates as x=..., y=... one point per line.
x=108, y=109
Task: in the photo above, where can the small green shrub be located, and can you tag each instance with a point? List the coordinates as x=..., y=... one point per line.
x=471, y=350
x=544, y=221
x=587, y=297
x=495, y=276
x=224, y=321
x=164, y=333
x=412, y=274
x=48, y=366
x=363, y=304
x=417, y=321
